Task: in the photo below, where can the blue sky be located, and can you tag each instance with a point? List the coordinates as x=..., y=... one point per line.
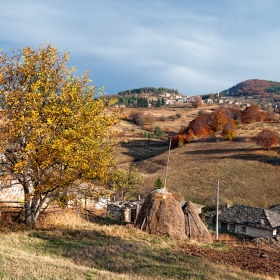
x=197, y=47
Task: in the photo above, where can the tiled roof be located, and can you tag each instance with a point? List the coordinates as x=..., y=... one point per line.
x=275, y=208
x=251, y=216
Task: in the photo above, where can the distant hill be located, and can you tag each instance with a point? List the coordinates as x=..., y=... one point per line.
x=254, y=87
x=149, y=90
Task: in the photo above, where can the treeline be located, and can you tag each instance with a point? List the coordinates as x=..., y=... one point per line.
x=134, y=101
x=254, y=87
x=212, y=96
x=224, y=120
x=150, y=90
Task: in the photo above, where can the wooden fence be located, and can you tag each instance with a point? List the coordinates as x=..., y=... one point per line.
x=15, y=210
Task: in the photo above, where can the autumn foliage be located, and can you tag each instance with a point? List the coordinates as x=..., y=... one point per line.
x=55, y=132
x=255, y=87
x=267, y=138
x=222, y=120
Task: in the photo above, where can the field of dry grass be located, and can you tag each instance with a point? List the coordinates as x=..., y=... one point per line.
x=247, y=173
x=68, y=247
x=163, y=118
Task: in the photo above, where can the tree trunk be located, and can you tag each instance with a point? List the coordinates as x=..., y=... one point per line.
x=29, y=215
x=33, y=208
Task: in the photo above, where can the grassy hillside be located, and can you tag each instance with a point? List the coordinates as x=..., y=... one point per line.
x=247, y=173
x=67, y=247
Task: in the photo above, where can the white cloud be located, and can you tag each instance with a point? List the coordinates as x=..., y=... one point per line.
x=196, y=47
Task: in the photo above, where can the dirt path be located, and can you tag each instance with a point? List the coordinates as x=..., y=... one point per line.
x=265, y=262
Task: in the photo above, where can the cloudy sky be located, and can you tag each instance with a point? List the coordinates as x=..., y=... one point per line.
x=197, y=47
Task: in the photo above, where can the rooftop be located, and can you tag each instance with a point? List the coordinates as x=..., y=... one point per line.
x=251, y=216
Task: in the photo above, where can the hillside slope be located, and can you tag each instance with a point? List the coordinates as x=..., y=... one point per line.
x=68, y=247
x=254, y=87
x=248, y=175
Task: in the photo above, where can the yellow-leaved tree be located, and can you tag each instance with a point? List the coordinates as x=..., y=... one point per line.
x=55, y=132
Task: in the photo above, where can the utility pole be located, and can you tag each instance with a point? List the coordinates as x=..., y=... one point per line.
x=167, y=164
x=217, y=212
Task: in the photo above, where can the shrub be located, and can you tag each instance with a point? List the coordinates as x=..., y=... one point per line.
x=158, y=132
x=229, y=134
x=267, y=138
x=172, y=117
x=147, y=134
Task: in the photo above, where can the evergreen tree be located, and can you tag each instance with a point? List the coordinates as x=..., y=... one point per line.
x=158, y=184
x=158, y=132
x=158, y=103
x=142, y=102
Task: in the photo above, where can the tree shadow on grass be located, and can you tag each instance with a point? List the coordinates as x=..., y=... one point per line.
x=272, y=160
x=96, y=249
x=243, y=154
x=144, y=149
x=222, y=151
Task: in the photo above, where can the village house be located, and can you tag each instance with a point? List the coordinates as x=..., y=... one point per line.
x=180, y=100
x=122, y=106
x=170, y=101
x=209, y=101
x=124, y=211
x=251, y=221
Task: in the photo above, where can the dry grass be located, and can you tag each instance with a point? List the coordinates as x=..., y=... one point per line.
x=67, y=247
x=162, y=119
x=248, y=174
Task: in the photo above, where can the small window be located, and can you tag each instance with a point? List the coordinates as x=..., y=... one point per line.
x=243, y=229
x=274, y=232
x=231, y=227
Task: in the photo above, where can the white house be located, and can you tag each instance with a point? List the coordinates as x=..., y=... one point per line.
x=170, y=101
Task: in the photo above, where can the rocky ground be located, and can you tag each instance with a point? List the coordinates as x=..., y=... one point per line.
x=256, y=260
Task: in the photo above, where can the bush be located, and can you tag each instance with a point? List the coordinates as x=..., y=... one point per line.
x=147, y=134
x=172, y=117
x=267, y=138
x=158, y=132
x=229, y=134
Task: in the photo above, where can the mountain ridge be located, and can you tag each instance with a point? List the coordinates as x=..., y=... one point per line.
x=247, y=88
x=254, y=87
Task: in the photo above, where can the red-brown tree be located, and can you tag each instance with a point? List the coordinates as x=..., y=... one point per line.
x=251, y=114
x=218, y=119
x=267, y=138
